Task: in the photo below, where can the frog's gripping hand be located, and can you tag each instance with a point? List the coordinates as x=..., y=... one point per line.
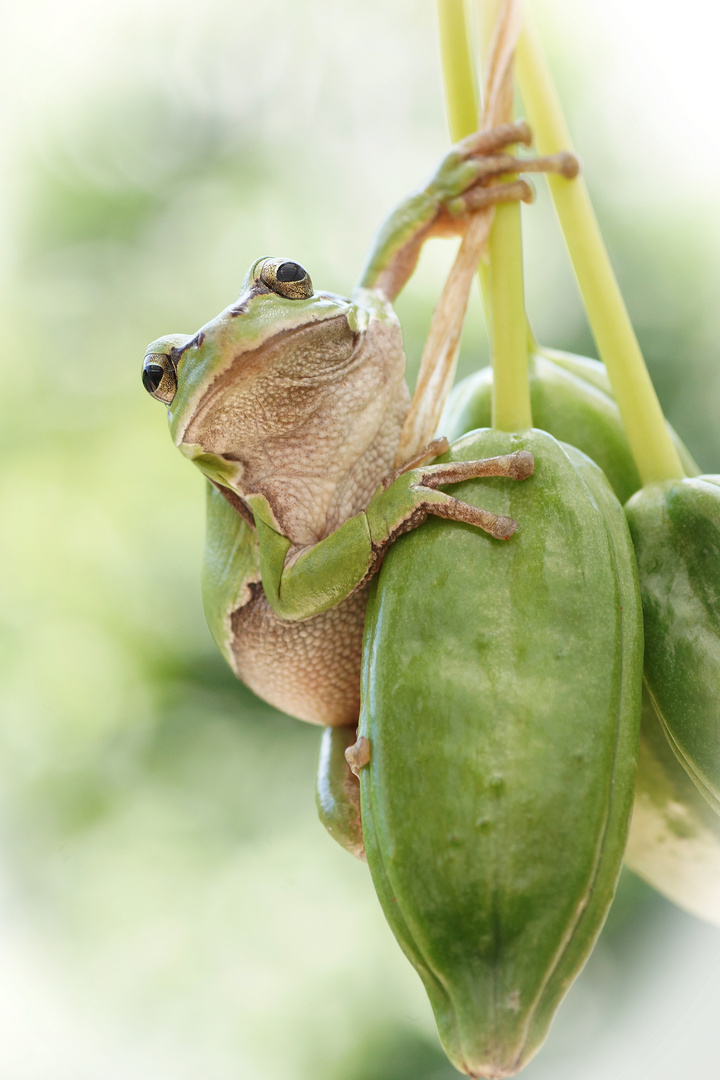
x=414, y=495
x=468, y=178
x=300, y=585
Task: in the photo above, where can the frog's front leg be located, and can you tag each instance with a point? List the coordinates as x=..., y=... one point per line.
x=310, y=669
x=462, y=184
x=303, y=583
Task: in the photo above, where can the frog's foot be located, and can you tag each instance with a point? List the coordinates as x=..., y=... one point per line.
x=517, y=466
x=337, y=790
x=464, y=181
x=468, y=178
x=358, y=754
x=413, y=495
x=484, y=194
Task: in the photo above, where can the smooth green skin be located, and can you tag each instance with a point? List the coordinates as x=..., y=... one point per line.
x=674, y=838
x=675, y=528
x=336, y=565
x=337, y=791
x=501, y=688
x=330, y=570
x=230, y=564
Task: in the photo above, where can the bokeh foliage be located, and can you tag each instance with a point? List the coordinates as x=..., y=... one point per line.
x=171, y=906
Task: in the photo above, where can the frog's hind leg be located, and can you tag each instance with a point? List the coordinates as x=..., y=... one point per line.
x=337, y=791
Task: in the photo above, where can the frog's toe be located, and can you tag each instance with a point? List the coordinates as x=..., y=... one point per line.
x=358, y=755
x=479, y=196
x=516, y=466
x=490, y=140
x=496, y=525
x=521, y=464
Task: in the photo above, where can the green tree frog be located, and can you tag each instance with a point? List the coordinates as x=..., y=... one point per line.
x=291, y=403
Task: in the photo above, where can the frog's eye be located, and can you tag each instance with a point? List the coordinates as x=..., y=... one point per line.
x=159, y=378
x=289, y=279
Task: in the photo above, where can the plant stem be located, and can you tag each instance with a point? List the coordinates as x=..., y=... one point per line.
x=461, y=95
x=502, y=285
x=654, y=453
x=511, y=409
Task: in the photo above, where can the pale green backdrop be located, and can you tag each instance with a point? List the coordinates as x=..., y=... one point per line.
x=170, y=907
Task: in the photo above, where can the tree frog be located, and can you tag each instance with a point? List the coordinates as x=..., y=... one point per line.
x=291, y=403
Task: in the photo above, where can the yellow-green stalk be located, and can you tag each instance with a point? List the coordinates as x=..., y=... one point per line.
x=461, y=93
x=462, y=100
x=504, y=285
x=654, y=453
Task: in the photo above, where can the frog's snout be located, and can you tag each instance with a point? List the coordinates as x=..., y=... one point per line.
x=170, y=345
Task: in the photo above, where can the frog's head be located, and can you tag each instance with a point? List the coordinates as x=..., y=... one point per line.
x=278, y=366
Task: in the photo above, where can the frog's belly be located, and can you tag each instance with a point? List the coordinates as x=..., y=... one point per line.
x=310, y=669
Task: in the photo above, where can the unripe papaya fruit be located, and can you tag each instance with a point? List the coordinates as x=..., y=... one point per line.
x=674, y=839
x=501, y=701
x=672, y=843
x=675, y=528
x=572, y=399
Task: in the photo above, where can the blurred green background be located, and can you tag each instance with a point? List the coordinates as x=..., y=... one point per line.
x=169, y=905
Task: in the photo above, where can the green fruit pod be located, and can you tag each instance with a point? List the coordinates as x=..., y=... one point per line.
x=675, y=528
x=572, y=399
x=501, y=701
x=674, y=839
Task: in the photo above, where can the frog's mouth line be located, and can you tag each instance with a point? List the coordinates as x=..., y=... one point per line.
x=243, y=362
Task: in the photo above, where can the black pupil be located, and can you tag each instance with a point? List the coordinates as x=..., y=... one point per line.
x=152, y=377
x=290, y=271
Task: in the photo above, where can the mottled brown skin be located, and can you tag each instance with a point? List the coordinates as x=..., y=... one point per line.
x=310, y=669
x=313, y=420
